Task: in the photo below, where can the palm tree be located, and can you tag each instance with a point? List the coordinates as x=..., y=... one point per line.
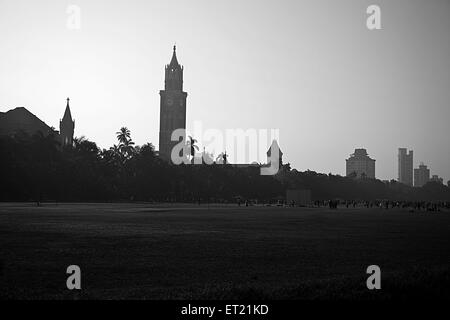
x=125, y=143
x=192, y=144
x=124, y=135
x=115, y=149
x=225, y=156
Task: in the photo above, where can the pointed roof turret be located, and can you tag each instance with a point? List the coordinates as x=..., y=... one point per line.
x=275, y=146
x=67, y=114
x=174, y=62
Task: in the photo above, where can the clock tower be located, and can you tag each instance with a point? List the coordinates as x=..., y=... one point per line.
x=172, y=112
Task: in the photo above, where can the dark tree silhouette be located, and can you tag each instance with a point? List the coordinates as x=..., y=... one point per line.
x=193, y=147
x=37, y=168
x=126, y=145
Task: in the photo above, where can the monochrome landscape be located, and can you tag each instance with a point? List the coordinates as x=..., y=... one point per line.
x=215, y=151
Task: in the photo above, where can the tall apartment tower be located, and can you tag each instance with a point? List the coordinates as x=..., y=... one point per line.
x=360, y=164
x=66, y=127
x=172, y=114
x=405, y=166
x=421, y=175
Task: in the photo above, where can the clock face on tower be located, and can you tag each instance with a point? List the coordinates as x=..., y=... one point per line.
x=169, y=102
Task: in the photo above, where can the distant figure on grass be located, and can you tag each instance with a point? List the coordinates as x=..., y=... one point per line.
x=333, y=204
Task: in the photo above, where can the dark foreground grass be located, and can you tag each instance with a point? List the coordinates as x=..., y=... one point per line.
x=139, y=251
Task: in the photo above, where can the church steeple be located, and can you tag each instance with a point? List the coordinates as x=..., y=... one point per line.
x=67, y=114
x=174, y=62
x=66, y=127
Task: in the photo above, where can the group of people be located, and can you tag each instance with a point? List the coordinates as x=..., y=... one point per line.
x=386, y=204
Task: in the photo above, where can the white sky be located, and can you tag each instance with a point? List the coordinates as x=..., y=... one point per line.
x=308, y=68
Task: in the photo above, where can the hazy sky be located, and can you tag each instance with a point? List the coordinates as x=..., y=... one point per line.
x=311, y=69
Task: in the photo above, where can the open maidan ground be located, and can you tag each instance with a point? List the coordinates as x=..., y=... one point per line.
x=144, y=251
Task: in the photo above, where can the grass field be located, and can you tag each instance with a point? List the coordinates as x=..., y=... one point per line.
x=140, y=251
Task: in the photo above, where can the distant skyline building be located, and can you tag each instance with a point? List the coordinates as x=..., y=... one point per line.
x=66, y=127
x=405, y=166
x=421, y=175
x=360, y=164
x=172, y=114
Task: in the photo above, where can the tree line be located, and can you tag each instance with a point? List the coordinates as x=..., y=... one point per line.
x=37, y=168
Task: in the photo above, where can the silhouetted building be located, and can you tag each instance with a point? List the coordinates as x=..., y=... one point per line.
x=421, y=175
x=278, y=161
x=20, y=120
x=360, y=165
x=405, y=166
x=172, y=106
x=274, y=147
x=66, y=127
x=435, y=178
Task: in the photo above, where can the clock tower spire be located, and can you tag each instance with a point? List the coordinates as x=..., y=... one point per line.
x=172, y=109
x=174, y=73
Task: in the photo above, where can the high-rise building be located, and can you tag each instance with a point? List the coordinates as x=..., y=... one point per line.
x=405, y=166
x=360, y=165
x=66, y=127
x=421, y=175
x=172, y=107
